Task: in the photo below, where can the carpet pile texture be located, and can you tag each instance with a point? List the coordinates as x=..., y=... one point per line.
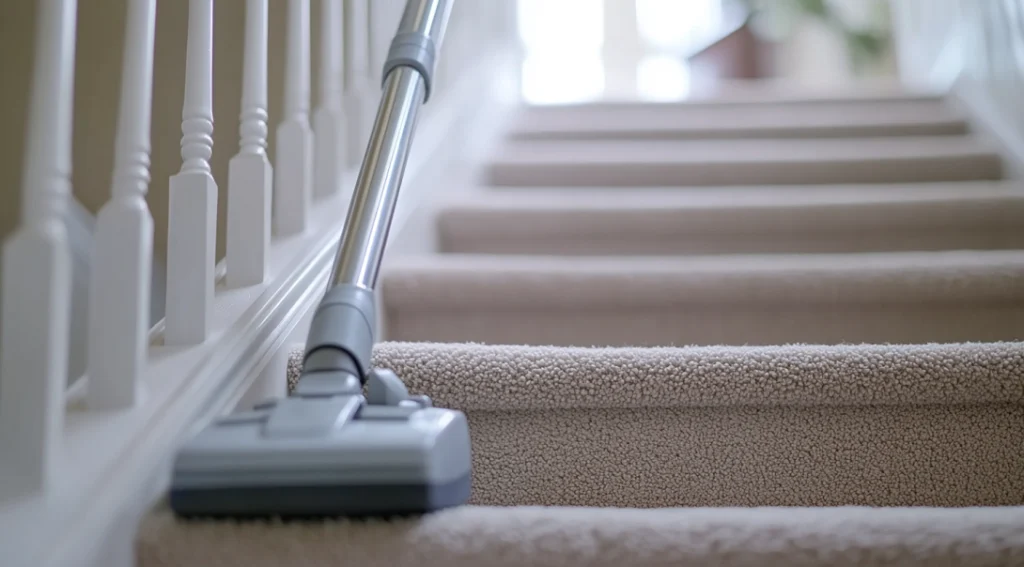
x=729, y=333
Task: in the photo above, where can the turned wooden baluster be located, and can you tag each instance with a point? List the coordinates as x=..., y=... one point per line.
x=328, y=125
x=192, y=215
x=293, y=162
x=122, y=259
x=250, y=175
x=361, y=90
x=36, y=286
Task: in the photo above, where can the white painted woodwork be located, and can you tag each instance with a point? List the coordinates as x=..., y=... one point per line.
x=250, y=175
x=123, y=256
x=36, y=303
x=106, y=468
x=362, y=88
x=328, y=125
x=293, y=181
x=192, y=211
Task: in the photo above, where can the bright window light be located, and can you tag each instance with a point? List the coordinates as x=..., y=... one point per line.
x=662, y=78
x=561, y=25
x=677, y=25
x=561, y=80
x=562, y=41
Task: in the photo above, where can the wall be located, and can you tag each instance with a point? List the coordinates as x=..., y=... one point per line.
x=975, y=48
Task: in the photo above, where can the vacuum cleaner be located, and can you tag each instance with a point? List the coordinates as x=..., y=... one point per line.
x=349, y=441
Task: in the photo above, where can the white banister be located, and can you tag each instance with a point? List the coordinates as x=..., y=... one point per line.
x=123, y=256
x=36, y=303
x=294, y=157
x=250, y=175
x=328, y=126
x=192, y=214
x=360, y=90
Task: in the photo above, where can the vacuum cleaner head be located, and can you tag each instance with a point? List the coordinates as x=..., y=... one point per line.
x=339, y=455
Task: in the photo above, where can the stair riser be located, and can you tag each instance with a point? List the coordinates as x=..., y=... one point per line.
x=681, y=325
x=701, y=121
x=742, y=456
x=614, y=173
x=882, y=227
x=952, y=128
x=767, y=100
x=669, y=244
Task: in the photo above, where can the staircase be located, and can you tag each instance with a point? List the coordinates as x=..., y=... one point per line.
x=741, y=331
x=765, y=326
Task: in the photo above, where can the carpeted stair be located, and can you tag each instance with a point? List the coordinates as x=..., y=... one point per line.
x=793, y=336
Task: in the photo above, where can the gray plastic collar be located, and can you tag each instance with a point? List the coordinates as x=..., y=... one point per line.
x=413, y=50
x=342, y=332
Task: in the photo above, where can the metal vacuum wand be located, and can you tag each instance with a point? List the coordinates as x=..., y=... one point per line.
x=343, y=330
x=408, y=74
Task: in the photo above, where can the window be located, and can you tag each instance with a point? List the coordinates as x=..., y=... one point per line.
x=678, y=26
x=562, y=41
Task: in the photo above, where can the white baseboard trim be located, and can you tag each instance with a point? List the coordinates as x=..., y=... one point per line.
x=118, y=463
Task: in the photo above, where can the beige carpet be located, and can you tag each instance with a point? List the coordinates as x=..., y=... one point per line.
x=814, y=429
x=581, y=537
x=824, y=120
x=764, y=220
x=796, y=340
x=910, y=297
x=926, y=425
x=746, y=161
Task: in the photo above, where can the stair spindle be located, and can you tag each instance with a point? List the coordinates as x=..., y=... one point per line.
x=328, y=127
x=360, y=93
x=36, y=286
x=123, y=257
x=192, y=215
x=250, y=174
x=293, y=181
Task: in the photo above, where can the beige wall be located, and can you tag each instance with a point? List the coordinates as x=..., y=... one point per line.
x=97, y=88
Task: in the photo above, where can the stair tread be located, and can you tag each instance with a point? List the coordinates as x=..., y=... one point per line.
x=460, y=281
x=768, y=93
x=753, y=192
x=542, y=378
x=600, y=199
x=758, y=299
x=977, y=216
x=577, y=537
x=659, y=163
x=585, y=152
x=684, y=120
